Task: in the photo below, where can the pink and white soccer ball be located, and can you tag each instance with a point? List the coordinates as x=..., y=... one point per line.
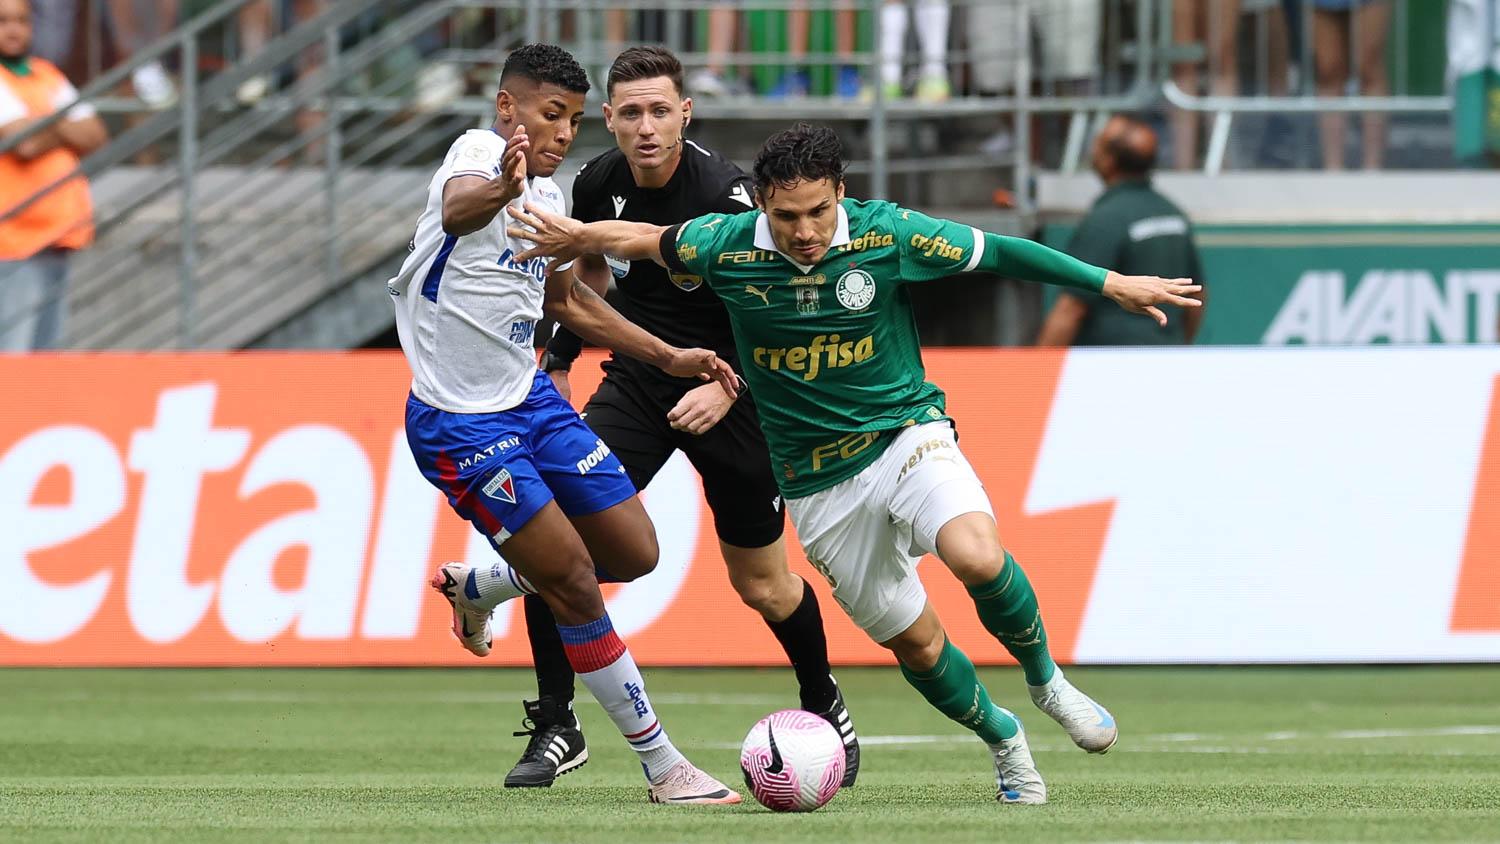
x=793, y=761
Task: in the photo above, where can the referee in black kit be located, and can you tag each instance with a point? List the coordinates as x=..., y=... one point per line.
x=657, y=176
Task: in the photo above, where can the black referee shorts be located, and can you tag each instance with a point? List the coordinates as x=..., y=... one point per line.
x=629, y=413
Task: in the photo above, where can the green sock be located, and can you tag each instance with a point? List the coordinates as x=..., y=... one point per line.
x=1007, y=608
x=954, y=689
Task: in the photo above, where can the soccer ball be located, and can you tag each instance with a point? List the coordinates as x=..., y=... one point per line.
x=793, y=761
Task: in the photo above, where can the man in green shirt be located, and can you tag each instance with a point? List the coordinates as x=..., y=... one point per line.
x=1137, y=230
x=862, y=444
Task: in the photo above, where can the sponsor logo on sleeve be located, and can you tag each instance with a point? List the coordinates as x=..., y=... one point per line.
x=939, y=246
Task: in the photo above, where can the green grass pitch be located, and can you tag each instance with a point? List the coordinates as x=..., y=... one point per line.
x=1399, y=754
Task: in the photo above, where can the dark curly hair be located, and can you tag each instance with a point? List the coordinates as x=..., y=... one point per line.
x=639, y=63
x=546, y=63
x=803, y=153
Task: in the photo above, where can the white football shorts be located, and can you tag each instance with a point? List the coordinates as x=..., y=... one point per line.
x=866, y=534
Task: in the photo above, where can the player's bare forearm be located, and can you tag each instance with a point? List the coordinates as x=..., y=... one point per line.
x=593, y=271
x=623, y=239
x=574, y=304
x=471, y=202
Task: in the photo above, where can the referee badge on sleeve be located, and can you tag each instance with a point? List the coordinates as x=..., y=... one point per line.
x=687, y=282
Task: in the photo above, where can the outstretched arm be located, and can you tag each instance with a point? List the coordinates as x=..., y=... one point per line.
x=574, y=304
x=1139, y=294
x=564, y=238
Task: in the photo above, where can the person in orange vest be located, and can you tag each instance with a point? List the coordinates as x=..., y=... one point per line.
x=37, y=233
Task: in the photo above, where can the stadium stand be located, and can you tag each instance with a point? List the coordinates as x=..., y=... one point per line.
x=288, y=174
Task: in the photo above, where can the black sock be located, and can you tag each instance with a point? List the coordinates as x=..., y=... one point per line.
x=554, y=674
x=801, y=636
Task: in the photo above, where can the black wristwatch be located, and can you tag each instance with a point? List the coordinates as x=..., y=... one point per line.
x=552, y=363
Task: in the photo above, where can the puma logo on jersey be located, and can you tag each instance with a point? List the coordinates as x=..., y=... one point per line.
x=619, y=205
x=765, y=295
x=742, y=196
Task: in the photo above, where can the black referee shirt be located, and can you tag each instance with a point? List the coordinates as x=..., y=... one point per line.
x=687, y=314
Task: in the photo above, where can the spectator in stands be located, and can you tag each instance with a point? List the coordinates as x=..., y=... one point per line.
x=1357, y=29
x=932, y=18
x=136, y=24
x=36, y=238
x=712, y=80
x=309, y=121
x=1134, y=229
x=255, y=20
x=1214, y=24
x=1474, y=79
x=1068, y=33
x=52, y=26
x=796, y=82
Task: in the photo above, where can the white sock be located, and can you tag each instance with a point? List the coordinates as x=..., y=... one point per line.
x=606, y=667
x=932, y=36
x=892, y=41
x=488, y=588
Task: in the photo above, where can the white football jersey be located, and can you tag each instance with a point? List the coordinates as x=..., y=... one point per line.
x=466, y=310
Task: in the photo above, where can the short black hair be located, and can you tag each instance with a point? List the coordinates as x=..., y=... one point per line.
x=1129, y=159
x=639, y=63
x=803, y=153
x=546, y=63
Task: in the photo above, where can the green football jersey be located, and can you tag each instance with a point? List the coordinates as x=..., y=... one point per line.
x=830, y=351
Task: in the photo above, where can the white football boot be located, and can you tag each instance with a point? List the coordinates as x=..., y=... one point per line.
x=1088, y=724
x=1016, y=777
x=470, y=623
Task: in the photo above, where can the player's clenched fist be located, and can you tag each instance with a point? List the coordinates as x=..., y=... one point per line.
x=1140, y=294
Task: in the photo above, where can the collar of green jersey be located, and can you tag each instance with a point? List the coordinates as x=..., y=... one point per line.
x=764, y=240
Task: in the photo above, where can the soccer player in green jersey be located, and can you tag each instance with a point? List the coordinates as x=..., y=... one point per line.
x=862, y=444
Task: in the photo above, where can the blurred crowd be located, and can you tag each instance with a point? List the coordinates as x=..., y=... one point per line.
x=926, y=50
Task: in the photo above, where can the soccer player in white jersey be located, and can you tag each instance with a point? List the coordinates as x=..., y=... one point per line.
x=492, y=432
